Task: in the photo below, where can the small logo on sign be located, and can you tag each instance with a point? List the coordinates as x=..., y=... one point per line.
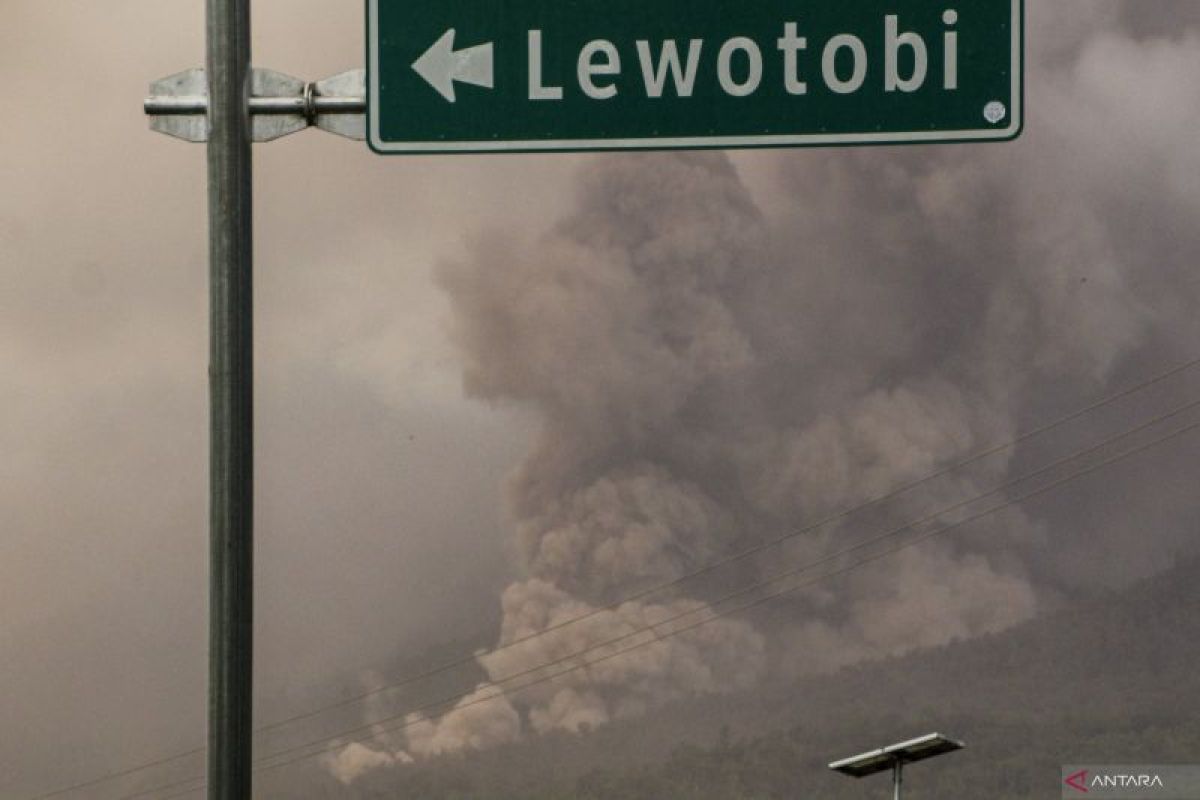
x=1078, y=781
x=995, y=112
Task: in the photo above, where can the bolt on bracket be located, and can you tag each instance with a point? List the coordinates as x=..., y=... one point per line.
x=279, y=105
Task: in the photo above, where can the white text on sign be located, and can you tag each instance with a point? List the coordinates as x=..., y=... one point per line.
x=666, y=68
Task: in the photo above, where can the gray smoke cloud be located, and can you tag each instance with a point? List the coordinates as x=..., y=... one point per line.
x=709, y=371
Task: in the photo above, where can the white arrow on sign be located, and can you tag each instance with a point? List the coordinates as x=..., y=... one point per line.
x=442, y=65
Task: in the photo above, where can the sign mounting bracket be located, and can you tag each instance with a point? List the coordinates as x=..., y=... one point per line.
x=279, y=105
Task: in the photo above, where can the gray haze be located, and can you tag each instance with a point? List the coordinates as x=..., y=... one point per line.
x=379, y=518
x=647, y=361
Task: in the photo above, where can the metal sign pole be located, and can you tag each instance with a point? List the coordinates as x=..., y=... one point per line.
x=229, y=105
x=897, y=778
x=231, y=393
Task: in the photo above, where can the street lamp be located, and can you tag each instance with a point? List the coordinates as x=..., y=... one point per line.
x=895, y=756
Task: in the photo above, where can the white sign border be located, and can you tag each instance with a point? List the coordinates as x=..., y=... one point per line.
x=376, y=143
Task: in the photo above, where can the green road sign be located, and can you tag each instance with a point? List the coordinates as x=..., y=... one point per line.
x=542, y=75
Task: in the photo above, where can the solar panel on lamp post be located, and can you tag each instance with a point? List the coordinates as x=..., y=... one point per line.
x=895, y=756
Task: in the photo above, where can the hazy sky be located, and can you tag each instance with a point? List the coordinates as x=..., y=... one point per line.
x=382, y=523
x=378, y=498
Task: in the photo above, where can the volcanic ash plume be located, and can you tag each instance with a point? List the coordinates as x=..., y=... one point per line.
x=709, y=374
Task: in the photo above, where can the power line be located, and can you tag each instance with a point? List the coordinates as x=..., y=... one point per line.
x=455, y=702
x=741, y=555
x=795, y=571
x=716, y=615
x=652, y=590
x=651, y=628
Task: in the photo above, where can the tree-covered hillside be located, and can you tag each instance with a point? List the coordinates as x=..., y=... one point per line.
x=1112, y=680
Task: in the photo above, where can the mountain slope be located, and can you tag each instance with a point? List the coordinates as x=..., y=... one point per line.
x=1112, y=680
